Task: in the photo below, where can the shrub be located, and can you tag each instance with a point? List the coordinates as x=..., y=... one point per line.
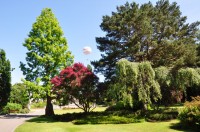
x=118, y=106
x=162, y=114
x=12, y=107
x=24, y=111
x=106, y=120
x=107, y=117
x=194, y=103
x=40, y=104
x=160, y=117
x=19, y=95
x=191, y=113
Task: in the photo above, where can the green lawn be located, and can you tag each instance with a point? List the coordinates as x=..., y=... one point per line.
x=48, y=126
x=42, y=124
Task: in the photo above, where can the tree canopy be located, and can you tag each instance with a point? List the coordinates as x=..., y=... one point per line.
x=177, y=86
x=155, y=33
x=136, y=83
x=47, y=52
x=77, y=84
x=5, y=79
x=19, y=95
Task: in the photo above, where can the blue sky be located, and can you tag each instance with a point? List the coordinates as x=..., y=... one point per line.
x=79, y=19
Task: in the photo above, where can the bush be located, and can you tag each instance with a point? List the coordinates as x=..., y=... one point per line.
x=160, y=117
x=118, y=106
x=24, y=111
x=191, y=113
x=106, y=120
x=107, y=117
x=40, y=104
x=12, y=108
x=162, y=114
x=194, y=103
x=19, y=95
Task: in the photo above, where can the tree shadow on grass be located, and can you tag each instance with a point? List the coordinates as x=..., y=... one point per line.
x=113, y=117
x=185, y=127
x=17, y=116
x=90, y=118
x=42, y=119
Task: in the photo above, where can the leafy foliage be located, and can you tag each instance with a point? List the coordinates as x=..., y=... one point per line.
x=19, y=95
x=187, y=77
x=34, y=89
x=136, y=83
x=158, y=34
x=77, y=84
x=191, y=113
x=170, y=93
x=40, y=104
x=194, y=103
x=178, y=84
x=163, y=114
x=47, y=52
x=148, y=88
x=12, y=107
x=5, y=79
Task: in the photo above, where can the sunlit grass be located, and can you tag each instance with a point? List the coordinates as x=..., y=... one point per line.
x=45, y=126
x=77, y=110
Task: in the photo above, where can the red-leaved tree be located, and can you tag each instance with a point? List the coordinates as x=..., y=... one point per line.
x=76, y=84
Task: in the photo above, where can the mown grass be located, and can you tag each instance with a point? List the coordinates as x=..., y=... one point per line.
x=45, y=125
x=68, y=121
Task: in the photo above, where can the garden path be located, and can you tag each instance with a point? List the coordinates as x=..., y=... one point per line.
x=8, y=123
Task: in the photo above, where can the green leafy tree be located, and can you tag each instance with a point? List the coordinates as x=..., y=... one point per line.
x=155, y=33
x=198, y=48
x=136, y=82
x=47, y=53
x=179, y=86
x=34, y=90
x=188, y=80
x=78, y=84
x=164, y=78
x=5, y=79
x=19, y=95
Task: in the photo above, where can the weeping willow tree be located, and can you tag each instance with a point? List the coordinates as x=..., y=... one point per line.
x=164, y=78
x=139, y=82
x=176, y=86
x=127, y=73
x=136, y=83
x=147, y=87
x=188, y=79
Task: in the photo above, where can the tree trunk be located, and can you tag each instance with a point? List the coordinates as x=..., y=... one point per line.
x=49, y=107
x=145, y=107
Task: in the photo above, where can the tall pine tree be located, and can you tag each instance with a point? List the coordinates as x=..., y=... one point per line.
x=5, y=79
x=47, y=52
x=158, y=34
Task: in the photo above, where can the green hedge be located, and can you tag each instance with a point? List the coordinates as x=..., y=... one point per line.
x=107, y=117
x=163, y=114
